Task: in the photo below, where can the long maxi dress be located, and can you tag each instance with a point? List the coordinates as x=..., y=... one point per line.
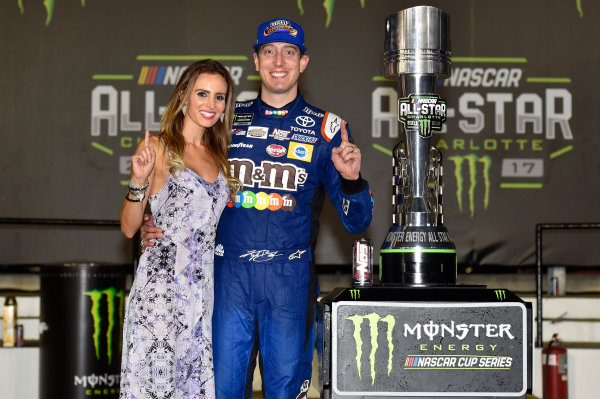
x=167, y=339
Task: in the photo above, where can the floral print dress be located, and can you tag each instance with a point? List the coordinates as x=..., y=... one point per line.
x=167, y=348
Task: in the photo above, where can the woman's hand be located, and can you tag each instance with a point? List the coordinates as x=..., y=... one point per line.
x=142, y=163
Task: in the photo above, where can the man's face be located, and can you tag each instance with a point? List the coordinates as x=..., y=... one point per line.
x=279, y=66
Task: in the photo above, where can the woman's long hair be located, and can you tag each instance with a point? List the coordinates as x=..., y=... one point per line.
x=216, y=138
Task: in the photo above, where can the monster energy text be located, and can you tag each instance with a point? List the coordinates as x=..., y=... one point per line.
x=429, y=330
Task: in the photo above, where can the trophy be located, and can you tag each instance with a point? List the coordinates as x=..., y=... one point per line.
x=417, y=250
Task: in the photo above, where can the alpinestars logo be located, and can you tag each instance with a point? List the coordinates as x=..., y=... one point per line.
x=423, y=113
x=473, y=161
x=303, y=389
x=373, y=323
x=108, y=310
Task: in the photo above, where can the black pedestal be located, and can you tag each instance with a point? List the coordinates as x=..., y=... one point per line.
x=411, y=342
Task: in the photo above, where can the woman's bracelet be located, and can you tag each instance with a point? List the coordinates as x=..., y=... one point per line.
x=137, y=198
x=133, y=188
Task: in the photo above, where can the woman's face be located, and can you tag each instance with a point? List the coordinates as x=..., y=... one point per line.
x=207, y=101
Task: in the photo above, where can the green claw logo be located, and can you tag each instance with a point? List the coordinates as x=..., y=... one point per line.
x=472, y=160
x=327, y=5
x=355, y=294
x=96, y=297
x=425, y=128
x=500, y=295
x=48, y=4
x=374, y=320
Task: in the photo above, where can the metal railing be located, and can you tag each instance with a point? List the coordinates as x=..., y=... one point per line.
x=539, y=228
x=77, y=223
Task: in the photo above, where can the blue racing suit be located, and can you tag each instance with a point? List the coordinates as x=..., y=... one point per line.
x=265, y=281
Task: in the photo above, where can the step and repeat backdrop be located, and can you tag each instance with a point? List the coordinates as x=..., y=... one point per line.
x=82, y=80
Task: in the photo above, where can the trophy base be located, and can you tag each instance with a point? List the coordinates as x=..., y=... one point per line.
x=417, y=256
x=417, y=269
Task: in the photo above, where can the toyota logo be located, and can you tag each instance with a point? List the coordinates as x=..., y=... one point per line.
x=305, y=121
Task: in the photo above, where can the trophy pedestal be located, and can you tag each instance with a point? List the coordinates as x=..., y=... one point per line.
x=416, y=342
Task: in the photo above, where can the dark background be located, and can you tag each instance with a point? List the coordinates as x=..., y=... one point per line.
x=53, y=167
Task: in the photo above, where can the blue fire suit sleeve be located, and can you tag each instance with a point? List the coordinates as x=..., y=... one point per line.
x=353, y=202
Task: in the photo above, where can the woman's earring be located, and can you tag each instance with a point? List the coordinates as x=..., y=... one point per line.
x=184, y=109
x=222, y=117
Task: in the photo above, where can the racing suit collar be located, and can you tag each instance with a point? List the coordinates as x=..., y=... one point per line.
x=270, y=111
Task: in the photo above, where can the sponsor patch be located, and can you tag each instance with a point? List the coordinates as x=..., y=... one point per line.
x=276, y=112
x=275, y=150
x=279, y=134
x=278, y=26
x=309, y=111
x=242, y=119
x=305, y=121
x=304, y=139
x=258, y=132
x=302, y=130
x=331, y=125
x=244, y=104
x=300, y=151
x=262, y=201
x=268, y=175
x=241, y=145
x=238, y=132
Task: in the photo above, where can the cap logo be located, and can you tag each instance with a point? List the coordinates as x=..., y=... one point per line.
x=280, y=28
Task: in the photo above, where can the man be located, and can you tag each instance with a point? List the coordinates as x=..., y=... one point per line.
x=287, y=153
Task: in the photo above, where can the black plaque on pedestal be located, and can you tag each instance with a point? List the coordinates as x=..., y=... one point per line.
x=410, y=342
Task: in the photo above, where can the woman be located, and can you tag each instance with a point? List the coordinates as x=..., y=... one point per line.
x=184, y=174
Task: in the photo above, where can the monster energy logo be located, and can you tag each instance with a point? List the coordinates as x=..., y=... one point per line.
x=500, y=295
x=355, y=294
x=472, y=160
x=373, y=320
x=425, y=127
x=96, y=297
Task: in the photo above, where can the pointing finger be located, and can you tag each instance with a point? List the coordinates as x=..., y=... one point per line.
x=344, y=132
x=147, y=139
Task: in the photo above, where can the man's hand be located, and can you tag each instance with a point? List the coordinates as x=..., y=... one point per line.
x=346, y=158
x=149, y=232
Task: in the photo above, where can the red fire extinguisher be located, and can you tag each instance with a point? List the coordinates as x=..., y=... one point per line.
x=554, y=370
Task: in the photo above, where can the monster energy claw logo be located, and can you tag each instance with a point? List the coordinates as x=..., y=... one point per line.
x=472, y=160
x=425, y=128
x=373, y=319
x=96, y=297
x=355, y=294
x=500, y=295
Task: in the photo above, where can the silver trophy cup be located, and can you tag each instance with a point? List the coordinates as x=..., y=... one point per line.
x=417, y=250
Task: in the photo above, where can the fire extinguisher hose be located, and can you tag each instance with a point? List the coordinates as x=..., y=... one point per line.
x=547, y=371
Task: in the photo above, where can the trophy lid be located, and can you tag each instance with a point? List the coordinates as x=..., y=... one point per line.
x=417, y=41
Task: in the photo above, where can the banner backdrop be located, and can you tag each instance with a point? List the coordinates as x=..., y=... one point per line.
x=82, y=80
